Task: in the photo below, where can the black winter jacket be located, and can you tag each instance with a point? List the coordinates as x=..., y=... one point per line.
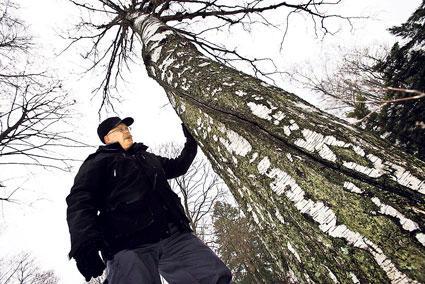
x=122, y=198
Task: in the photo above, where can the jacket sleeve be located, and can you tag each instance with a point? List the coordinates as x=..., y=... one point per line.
x=179, y=166
x=83, y=205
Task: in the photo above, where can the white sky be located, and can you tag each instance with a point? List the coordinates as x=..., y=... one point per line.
x=38, y=224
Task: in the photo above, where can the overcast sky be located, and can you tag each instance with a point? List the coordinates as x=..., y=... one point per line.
x=38, y=224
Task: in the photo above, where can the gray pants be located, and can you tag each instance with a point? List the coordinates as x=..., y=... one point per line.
x=181, y=259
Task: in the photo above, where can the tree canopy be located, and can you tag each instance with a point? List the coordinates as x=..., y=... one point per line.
x=108, y=28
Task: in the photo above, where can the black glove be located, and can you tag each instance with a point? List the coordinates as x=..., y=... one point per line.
x=89, y=263
x=187, y=133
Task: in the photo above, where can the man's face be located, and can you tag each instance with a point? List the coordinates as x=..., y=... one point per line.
x=121, y=134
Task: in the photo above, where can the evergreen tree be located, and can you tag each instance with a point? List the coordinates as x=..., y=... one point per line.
x=381, y=86
x=404, y=68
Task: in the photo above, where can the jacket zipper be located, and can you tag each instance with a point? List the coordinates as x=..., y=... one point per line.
x=154, y=182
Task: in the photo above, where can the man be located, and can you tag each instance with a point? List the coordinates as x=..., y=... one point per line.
x=122, y=205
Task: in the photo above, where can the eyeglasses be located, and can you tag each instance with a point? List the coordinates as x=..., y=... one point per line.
x=120, y=129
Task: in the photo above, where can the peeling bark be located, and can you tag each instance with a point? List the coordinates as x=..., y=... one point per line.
x=335, y=204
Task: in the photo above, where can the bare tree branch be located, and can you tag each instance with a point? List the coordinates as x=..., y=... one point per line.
x=23, y=269
x=33, y=106
x=110, y=53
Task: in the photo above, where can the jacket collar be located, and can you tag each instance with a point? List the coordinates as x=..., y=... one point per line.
x=116, y=147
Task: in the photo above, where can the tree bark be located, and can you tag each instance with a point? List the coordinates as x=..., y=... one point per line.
x=334, y=203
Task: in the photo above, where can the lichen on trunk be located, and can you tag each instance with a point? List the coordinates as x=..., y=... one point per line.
x=333, y=203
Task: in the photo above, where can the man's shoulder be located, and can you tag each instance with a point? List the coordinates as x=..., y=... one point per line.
x=92, y=157
x=99, y=155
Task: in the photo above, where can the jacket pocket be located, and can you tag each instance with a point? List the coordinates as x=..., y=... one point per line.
x=127, y=219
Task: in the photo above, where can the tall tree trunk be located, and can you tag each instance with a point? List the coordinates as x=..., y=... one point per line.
x=334, y=203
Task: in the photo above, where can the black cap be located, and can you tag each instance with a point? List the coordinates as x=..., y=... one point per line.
x=109, y=123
